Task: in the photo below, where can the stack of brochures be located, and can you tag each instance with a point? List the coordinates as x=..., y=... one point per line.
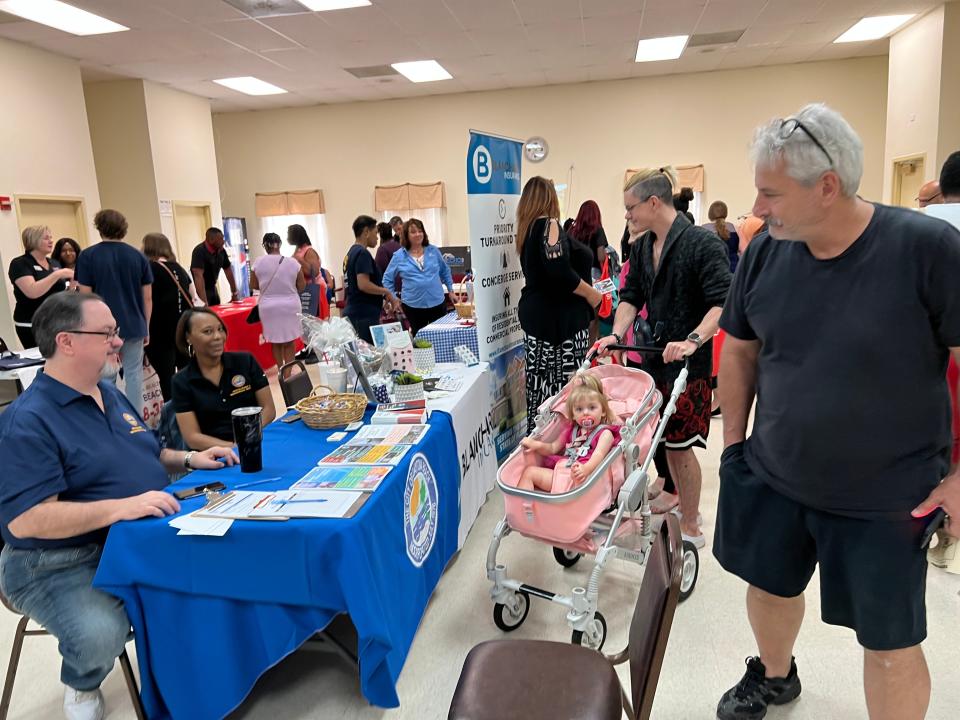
x=410, y=412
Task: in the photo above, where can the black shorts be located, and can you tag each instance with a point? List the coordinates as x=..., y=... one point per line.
x=872, y=572
x=689, y=426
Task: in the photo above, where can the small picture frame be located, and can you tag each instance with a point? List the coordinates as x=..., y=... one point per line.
x=380, y=333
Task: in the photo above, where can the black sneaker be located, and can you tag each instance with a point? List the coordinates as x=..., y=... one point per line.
x=748, y=700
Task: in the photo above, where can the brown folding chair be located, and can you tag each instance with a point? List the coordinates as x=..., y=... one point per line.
x=22, y=632
x=296, y=387
x=537, y=679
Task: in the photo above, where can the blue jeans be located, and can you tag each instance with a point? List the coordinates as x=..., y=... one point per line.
x=131, y=355
x=54, y=587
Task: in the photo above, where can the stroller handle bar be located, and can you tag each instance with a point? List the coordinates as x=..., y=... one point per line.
x=641, y=349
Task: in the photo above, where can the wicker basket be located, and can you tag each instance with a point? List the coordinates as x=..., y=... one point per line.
x=465, y=309
x=325, y=409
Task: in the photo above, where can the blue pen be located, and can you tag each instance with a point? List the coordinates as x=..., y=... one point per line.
x=291, y=502
x=256, y=482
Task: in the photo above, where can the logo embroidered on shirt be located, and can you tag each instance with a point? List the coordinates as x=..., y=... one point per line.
x=238, y=380
x=135, y=426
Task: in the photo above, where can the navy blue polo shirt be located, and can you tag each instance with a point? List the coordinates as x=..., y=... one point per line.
x=192, y=392
x=56, y=441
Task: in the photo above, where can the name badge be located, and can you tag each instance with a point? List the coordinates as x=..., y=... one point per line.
x=605, y=286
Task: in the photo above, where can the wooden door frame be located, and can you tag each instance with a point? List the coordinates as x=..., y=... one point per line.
x=208, y=215
x=79, y=210
x=896, y=186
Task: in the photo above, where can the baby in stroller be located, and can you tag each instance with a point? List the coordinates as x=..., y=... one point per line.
x=591, y=435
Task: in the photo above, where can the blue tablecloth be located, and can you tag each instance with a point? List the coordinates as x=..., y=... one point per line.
x=210, y=614
x=446, y=333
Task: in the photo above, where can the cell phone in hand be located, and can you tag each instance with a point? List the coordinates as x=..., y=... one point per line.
x=187, y=493
x=936, y=522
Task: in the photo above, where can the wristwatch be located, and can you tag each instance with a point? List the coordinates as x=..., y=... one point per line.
x=619, y=338
x=695, y=339
x=186, y=459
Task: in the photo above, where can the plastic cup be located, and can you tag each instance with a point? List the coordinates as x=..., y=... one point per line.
x=336, y=379
x=248, y=435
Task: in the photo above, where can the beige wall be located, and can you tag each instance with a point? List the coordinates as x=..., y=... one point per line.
x=44, y=146
x=184, y=159
x=914, y=80
x=121, y=149
x=949, y=138
x=598, y=128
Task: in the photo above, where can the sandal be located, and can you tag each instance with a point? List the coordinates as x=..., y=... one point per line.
x=655, y=488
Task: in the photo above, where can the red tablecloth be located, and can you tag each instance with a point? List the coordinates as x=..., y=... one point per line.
x=242, y=336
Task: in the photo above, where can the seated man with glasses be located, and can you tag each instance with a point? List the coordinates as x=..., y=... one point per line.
x=76, y=458
x=839, y=323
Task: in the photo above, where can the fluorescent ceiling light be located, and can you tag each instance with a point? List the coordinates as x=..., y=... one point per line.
x=61, y=16
x=663, y=48
x=321, y=5
x=250, y=86
x=422, y=71
x=873, y=28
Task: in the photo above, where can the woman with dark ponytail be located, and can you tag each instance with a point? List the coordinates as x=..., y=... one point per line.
x=681, y=203
x=726, y=230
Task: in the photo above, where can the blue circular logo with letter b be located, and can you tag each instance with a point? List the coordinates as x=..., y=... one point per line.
x=482, y=165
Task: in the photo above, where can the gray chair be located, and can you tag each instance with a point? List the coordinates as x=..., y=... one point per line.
x=540, y=680
x=296, y=387
x=18, y=636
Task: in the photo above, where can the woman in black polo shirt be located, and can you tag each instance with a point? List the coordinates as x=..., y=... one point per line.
x=214, y=383
x=35, y=277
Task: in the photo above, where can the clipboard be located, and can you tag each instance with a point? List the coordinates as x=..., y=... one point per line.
x=215, y=500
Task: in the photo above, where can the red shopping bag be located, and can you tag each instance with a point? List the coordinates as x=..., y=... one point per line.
x=606, y=305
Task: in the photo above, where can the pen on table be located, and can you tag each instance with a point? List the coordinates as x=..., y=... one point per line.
x=256, y=482
x=290, y=502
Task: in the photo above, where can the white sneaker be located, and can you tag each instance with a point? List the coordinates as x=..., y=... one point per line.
x=942, y=555
x=80, y=705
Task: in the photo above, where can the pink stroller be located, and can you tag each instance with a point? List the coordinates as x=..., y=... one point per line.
x=589, y=518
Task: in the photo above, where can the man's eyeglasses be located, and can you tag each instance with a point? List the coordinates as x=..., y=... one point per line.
x=107, y=335
x=789, y=126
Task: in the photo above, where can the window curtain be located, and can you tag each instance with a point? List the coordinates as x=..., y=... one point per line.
x=290, y=202
x=409, y=196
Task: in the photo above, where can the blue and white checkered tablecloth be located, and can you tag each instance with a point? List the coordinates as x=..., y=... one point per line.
x=446, y=334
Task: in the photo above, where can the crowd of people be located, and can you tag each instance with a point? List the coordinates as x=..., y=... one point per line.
x=832, y=473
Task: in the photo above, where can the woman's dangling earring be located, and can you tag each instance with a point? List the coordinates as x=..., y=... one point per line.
x=189, y=350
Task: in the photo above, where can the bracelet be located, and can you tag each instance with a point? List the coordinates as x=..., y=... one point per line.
x=619, y=338
x=186, y=459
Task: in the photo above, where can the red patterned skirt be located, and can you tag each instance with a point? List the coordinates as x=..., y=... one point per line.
x=689, y=426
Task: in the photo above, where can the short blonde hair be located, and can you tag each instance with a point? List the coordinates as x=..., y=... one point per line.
x=653, y=182
x=33, y=236
x=587, y=385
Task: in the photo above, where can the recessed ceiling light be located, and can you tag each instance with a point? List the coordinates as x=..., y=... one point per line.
x=662, y=48
x=321, y=5
x=422, y=71
x=61, y=16
x=873, y=28
x=250, y=86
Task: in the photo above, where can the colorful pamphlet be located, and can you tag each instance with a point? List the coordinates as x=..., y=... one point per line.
x=366, y=453
x=364, y=479
x=391, y=434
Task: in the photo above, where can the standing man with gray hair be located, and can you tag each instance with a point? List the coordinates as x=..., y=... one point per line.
x=839, y=323
x=681, y=273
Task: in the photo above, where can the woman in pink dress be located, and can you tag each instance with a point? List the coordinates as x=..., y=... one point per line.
x=280, y=281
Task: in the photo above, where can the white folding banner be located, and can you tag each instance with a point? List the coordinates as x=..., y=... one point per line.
x=493, y=191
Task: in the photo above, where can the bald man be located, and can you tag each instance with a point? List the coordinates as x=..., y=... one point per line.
x=930, y=194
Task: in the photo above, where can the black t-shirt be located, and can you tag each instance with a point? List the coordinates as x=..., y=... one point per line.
x=192, y=392
x=596, y=241
x=211, y=264
x=853, y=411
x=548, y=310
x=168, y=302
x=359, y=261
x=27, y=266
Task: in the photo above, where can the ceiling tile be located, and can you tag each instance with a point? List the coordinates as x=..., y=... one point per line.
x=308, y=30
x=559, y=34
x=661, y=24
x=421, y=16
x=487, y=15
x=197, y=10
x=369, y=23
x=766, y=35
x=737, y=58
x=251, y=34
x=813, y=32
x=445, y=45
x=720, y=15
x=611, y=29
x=779, y=12
x=611, y=8
x=538, y=12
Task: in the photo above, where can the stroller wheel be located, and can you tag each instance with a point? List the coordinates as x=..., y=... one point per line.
x=691, y=568
x=599, y=624
x=567, y=558
x=507, y=618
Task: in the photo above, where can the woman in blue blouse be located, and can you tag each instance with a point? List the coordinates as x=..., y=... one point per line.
x=424, y=273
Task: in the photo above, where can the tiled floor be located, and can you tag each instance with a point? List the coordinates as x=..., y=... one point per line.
x=709, y=640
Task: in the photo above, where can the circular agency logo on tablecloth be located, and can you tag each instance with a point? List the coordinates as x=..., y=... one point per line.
x=420, y=510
